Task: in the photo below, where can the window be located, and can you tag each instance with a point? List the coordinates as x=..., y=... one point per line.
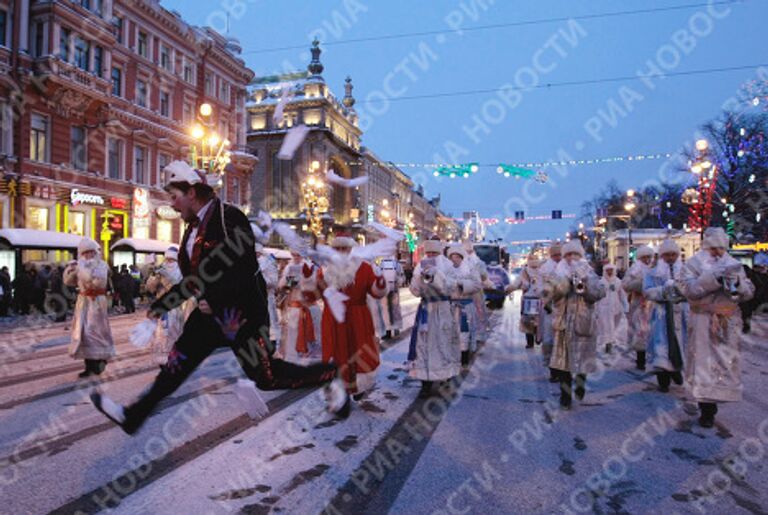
x=38, y=138
x=82, y=49
x=164, y=230
x=163, y=160
x=139, y=165
x=209, y=84
x=282, y=171
x=117, y=82
x=3, y=27
x=165, y=103
x=235, y=190
x=64, y=44
x=141, y=93
x=224, y=91
x=39, y=28
x=76, y=223
x=143, y=44
x=78, y=154
x=98, y=61
x=165, y=58
x=117, y=27
x=37, y=218
x=115, y=158
x=187, y=117
x=6, y=134
x=188, y=73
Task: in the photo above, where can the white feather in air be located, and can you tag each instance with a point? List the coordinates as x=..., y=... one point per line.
x=345, y=183
x=294, y=242
x=143, y=333
x=292, y=141
x=277, y=117
x=384, y=247
x=387, y=231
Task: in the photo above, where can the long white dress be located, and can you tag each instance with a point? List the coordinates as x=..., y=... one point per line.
x=467, y=283
x=435, y=350
x=713, y=352
x=664, y=352
x=610, y=312
x=639, y=316
x=301, y=322
x=546, y=333
x=91, y=335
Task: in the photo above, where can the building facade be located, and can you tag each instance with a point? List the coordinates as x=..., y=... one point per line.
x=97, y=96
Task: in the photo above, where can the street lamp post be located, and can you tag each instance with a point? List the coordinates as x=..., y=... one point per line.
x=315, y=200
x=213, y=155
x=630, y=206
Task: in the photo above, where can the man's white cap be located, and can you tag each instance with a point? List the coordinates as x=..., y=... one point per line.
x=715, y=237
x=573, y=246
x=644, y=251
x=87, y=244
x=433, y=246
x=457, y=248
x=668, y=247
x=180, y=171
x=172, y=253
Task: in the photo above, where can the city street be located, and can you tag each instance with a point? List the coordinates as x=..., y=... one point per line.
x=501, y=446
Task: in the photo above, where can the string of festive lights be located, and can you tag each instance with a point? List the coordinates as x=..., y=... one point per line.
x=543, y=164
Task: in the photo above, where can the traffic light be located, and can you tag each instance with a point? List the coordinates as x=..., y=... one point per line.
x=557, y=214
x=520, y=215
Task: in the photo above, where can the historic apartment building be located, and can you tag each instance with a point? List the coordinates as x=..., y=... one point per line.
x=97, y=96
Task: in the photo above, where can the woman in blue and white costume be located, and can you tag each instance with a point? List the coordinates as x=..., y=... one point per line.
x=669, y=317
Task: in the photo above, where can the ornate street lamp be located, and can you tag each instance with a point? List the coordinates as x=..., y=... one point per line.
x=315, y=200
x=210, y=153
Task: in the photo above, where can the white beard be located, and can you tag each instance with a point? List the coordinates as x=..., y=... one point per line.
x=564, y=269
x=341, y=271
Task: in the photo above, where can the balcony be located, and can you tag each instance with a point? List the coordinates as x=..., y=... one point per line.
x=70, y=75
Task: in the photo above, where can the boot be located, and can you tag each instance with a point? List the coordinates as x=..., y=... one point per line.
x=565, y=389
x=465, y=358
x=608, y=348
x=663, y=378
x=677, y=377
x=388, y=335
x=708, y=412
x=426, y=389
x=88, y=370
x=640, y=361
x=747, y=327
x=581, y=386
x=99, y=365
x=553, y=376
x=528, y=341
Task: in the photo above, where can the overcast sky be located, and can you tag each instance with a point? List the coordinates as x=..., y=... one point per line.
x=570, y=45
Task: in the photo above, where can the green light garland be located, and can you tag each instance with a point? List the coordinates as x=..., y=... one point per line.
x=453, y=171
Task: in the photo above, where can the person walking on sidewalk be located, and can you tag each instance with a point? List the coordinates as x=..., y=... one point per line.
x=576, y=290
x=611, y=326
x=435, y=349
x=639, y=308
x=390, y=304
x=546, y=333
x=669, y=317
x=91, y=335
x=220, y=269
x=531, y=284
x=714, y=284
x=463, y=283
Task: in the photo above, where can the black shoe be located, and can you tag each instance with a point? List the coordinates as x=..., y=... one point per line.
x=565, y=390
x=663, y=378
x=465, y=358
x=343, y=413
x=388, y=335
x=708, y=412
x=553, y=377
x=99, y=365
x=397, y=333
x=640, y=361
x=677, y=377
x=113, y=412
x=85, y=373
x=608, y=348
x=747, y=327
x=528, y=341
x=426, y=389
x=581, y=386
x=357, y=397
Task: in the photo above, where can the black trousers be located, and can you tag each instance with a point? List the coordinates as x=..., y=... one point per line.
x=200, y=337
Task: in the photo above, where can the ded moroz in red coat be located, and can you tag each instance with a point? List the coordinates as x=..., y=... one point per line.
x=351, y=343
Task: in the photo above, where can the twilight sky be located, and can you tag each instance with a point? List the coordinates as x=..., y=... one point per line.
x=570, y=45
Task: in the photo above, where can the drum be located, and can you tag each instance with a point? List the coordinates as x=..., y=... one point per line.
x=531, y=306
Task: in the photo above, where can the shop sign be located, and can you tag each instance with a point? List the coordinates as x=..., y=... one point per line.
x=167, y=213
x=77, y=197
x=118, y=203
x=371, y=211
x=140, y=207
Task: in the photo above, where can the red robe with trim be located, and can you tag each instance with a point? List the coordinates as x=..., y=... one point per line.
x=351, y=343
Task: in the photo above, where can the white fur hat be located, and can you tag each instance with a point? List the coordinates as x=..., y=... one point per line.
x=343, y=240
x=555, y=248
x=573, y=246
x=433, y=246
x=87, y=244
x=172, y=253
x=533, y=261
x=644, y=251
x=457, y=248
x=668, y=246
x=715, y=237
x=180, y=171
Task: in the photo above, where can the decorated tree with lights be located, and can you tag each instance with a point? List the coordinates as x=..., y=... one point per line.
x=738, y=154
